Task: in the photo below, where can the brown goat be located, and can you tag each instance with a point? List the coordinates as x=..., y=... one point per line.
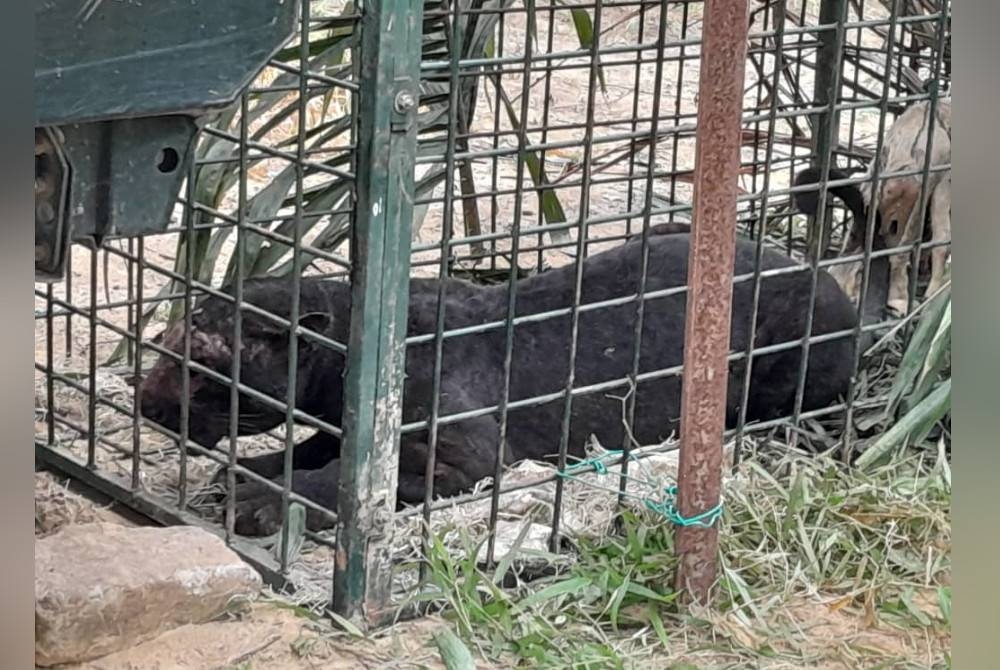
x=899, y=200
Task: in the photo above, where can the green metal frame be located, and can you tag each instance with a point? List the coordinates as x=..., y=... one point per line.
x=126, y=174
x=96, y=60
x=829, y=63
x=380, y=276
x=124, y=83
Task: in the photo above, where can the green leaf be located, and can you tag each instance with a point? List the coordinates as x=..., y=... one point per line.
x=296, y=531
x=317, y=46
x=917, y=350
x=264, y=102
x=650, y=594
x=616, y=602
x=147, y=315
x=335, y=231
x=937, y=358
x=657, y=623
x=944, y=603
x=554, y=591
x=915, y=612
x=454, y=653
x=913, y=427
x=584, y=26
x=503, y=565
x=551, y=207
x=321, y=134
x=348, y=627
x=264, y=205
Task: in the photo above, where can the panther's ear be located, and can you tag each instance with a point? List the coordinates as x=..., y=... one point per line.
x=207, y=349
x=211, y=350
x=318, y=322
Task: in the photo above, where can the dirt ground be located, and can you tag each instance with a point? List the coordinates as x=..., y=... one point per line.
x=274, y=635
x=272, y=638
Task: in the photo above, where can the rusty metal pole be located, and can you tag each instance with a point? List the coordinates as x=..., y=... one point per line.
x=710, y=293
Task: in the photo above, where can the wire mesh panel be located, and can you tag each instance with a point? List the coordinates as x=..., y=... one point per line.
x=514, y=202
x=272, y=194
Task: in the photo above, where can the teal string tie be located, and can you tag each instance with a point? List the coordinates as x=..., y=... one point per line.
x=668, y=508
x=596, y=464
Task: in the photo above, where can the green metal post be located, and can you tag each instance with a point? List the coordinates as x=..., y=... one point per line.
x=825, y=92
x=380, y=245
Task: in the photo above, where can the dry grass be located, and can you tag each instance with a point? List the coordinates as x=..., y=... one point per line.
x=821, y=567
x=56, y=506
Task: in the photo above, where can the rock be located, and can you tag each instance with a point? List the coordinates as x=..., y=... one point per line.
x=536, y=539
x=102, y=587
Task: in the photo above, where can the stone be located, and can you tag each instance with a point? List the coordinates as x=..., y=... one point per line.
x=103, y=587
x=535, y=541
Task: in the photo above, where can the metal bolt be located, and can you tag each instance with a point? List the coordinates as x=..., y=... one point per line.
x=405, y=101
x=44, y=212
x=41, y=187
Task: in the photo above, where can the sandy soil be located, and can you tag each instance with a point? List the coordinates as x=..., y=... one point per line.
x=832, y=633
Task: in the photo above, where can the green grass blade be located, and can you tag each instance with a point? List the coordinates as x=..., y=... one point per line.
x=503, y=565
x=584, y=27
x=330, y=56
x=328, y=199
x=264, y=205
x=938, y=355
x=554, y=591
x=321, y=134
x=318, y=45
x=657, y=622
x=917, y=350
x=551, y=207
x=649, y=594
x=944, y=603
x=348, y=627
x=200, y=240
x=913, y=426
x=616, y=602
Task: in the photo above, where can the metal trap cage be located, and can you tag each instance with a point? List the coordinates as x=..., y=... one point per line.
x=390, y=145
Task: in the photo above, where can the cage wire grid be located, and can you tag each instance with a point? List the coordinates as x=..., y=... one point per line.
x=543, y=133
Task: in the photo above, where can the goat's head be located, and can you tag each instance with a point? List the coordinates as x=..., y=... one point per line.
x=900, y=197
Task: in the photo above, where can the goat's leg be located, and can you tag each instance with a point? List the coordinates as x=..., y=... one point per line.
x=940, y=232
x=899, y=264
x=848, y=276
x=899, y=272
